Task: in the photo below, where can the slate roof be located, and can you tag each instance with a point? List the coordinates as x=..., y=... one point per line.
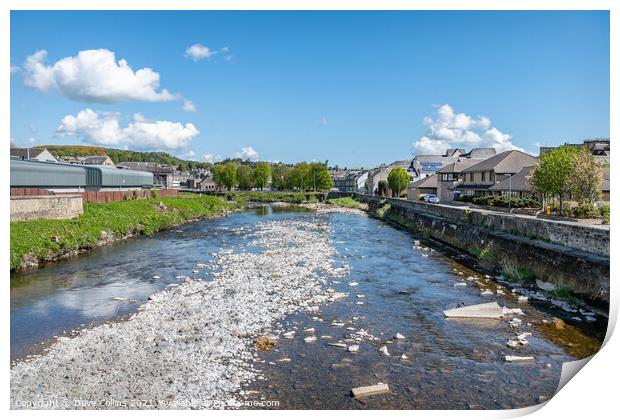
x=509, y=162
x=605, y=179
x=23, y=152
x=427, y=182
x=146, y=167
x=458, y=166
x=517, y=182
x=94, y=160
x=481, y=153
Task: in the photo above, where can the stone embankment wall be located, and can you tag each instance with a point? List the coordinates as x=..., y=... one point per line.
x=554, y=251
x=46, y=207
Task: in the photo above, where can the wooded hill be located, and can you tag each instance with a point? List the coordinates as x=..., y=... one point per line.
x=118, y=155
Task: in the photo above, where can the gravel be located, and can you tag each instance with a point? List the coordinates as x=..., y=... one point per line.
x=191, y=345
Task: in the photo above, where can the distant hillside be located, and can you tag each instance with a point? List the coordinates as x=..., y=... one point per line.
x=118, y=155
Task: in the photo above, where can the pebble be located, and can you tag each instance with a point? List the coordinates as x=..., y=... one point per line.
x=399, y=336
x=310, y=339
x=353, y=348
x=339, y=345
x=384, y=350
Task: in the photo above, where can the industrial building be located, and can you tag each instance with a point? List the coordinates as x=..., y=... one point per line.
x=62, y=177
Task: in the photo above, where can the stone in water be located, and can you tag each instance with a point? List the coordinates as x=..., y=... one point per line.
x=510, y=358
x=365, y=391
x=483, y=310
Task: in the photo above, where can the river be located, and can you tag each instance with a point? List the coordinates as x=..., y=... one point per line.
x=403, y=289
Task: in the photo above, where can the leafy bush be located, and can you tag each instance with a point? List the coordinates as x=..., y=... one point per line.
x=605, y=213
x=585, y=211
x=381, y=211
x=464, y=198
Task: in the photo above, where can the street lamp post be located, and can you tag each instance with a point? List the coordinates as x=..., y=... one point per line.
x=509, y=192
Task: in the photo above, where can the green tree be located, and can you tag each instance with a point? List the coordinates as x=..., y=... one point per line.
x=225, y=175
x=551, y=176
x=279, y=176
x=298, y=177
x=262, y=172
x=382, y=187
x=398, y=180
x=586, y=179
x=245, y=177
x=319, y=177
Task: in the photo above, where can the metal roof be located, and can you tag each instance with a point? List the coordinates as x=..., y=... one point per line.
x=29, y=173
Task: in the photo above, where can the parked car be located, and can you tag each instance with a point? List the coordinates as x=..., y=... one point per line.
x=431, y=198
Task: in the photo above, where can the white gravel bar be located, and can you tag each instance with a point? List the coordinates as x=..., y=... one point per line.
x=190, y=345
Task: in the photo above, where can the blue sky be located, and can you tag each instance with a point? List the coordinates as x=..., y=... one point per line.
x=354, y=88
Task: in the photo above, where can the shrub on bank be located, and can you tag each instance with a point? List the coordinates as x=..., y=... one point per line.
x=274, y=196
x=585, y=211
x=604, y=212
x=45, y=239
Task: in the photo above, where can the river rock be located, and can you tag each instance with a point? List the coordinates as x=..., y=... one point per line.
x=365, y=391
x=511, y=359
x=484, y=310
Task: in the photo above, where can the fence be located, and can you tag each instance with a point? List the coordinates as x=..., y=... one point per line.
x=98, y=196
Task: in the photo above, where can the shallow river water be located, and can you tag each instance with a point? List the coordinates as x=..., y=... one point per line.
x=403, y=288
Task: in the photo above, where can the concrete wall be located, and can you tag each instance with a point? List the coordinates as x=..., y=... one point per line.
x=46, y=207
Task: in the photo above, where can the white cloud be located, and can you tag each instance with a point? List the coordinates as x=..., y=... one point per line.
x=449, y=129
x=323, y=121
x=15, y=69
x=199, y=52
x=104, y=129
x=190, y=154
x=211, y=158
x=188, y=106
x=247, y=153
x=94, y=76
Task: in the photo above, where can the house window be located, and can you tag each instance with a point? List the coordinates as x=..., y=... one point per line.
x=471, y=177
x=482, y=178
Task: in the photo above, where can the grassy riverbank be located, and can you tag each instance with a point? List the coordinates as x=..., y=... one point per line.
x=44, y=240
x=348, y=202
x=242, y=197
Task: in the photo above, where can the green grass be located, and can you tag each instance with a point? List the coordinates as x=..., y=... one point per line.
x=517, y=274
x=47, y=238
x=381, y=211
x=565, y=294
x=348, y=202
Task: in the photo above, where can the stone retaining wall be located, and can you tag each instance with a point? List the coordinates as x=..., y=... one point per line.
x=588, y=238
x=46, y=207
